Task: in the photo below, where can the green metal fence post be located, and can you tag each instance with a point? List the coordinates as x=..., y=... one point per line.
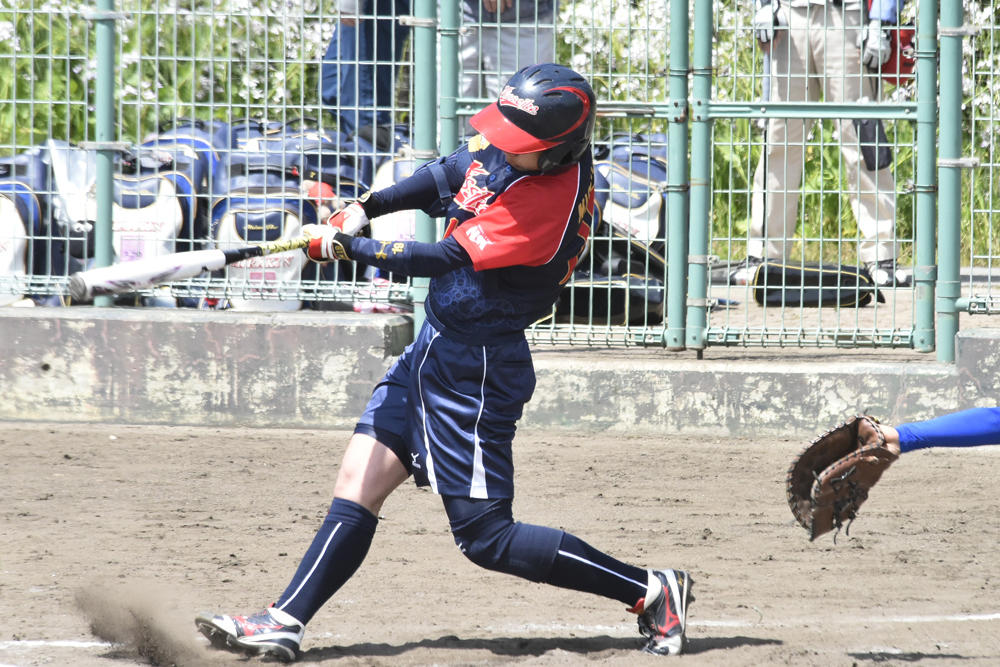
x=701, y=177
x=925, y=181
x=104, y=134
x=949, y=287
x=450, y=23
x=425, y=101
x=677, y=177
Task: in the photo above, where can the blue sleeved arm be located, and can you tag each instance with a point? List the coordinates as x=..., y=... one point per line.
x=429, y=189
x=886, y=11
x=966, y=428
x=410, y=258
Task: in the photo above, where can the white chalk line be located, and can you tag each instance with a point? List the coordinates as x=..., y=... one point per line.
x=53, y=643
x=848, y=620
x=761, y=623
x=27, y=644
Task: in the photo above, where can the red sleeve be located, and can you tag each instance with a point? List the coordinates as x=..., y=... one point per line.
x=524, y=225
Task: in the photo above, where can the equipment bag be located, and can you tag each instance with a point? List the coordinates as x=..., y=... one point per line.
x=335, y=161
x=812, y=285
x=24, y=248
x=13, y=246
x=29, y=245
x=263, y=202
x=239, y=135
x=154, y=205
x=74, y=206
x=154, y=209
x=197, y=143
x=630, y=183
x=345, y=163
x=200, y=140
x=611, y=300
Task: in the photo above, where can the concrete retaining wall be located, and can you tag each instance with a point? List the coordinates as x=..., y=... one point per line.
x=311, y=369
x=193, y=367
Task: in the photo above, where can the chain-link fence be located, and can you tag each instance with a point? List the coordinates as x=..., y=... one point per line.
x=740, y=183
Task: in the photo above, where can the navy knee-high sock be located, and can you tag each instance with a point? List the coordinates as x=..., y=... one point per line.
x=581, y=567
x=487, y=534
x=333, y=557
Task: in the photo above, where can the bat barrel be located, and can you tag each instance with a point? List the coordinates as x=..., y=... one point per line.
x=143, y=273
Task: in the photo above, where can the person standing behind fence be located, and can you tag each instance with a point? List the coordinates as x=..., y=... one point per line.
x=822, y=47
x=499, y=37
x=358, y=70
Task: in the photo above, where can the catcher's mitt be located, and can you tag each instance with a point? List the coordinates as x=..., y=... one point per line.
x=830, y=479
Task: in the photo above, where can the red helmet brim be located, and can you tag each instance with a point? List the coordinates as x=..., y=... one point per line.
x=506, y=136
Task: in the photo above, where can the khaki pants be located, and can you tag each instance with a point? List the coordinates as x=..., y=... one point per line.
x=818, y=56
x=491, y=53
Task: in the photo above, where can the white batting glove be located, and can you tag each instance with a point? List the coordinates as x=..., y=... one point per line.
x=874, y=43
x=770, y=16
x=349, y=220
x=323, y=245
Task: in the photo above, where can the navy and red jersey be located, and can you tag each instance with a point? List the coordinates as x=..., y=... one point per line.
x=512, y=238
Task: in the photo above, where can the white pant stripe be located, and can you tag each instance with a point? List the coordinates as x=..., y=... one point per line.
x=641, y=585
x=314, y=566
x=478, y=483
x=429, y=461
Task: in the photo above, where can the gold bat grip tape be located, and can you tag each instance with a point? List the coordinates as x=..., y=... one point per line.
x=284, y=246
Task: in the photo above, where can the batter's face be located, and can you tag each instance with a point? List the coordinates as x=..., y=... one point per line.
x=523, y=161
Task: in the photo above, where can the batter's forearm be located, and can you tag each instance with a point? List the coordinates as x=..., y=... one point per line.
x=410, y=258
x=423, y=190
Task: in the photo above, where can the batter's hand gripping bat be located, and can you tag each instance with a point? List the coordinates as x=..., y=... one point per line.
x=146, y=272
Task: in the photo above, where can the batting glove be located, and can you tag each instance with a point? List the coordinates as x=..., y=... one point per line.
x=323, y=244
x=873, y=40
x=349, y=220
x=770, y=16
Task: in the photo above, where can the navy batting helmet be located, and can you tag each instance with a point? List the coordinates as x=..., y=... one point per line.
x=544, y=107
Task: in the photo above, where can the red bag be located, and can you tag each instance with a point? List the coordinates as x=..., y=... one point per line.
x=898, y=69
x=902, y=62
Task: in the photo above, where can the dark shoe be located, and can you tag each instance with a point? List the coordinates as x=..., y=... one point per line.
x=381, y=136
x=885, y=274
x=663, y=611
x=270, y=632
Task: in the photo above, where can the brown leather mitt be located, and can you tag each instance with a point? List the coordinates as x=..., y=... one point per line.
x=830, y=479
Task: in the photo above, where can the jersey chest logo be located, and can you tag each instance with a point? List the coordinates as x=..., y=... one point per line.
x=472, y=197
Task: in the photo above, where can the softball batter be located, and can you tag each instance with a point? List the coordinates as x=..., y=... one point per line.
x=519, y=203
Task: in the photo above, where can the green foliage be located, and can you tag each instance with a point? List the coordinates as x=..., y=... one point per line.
x=190, y=58
x=40, y=92
x=622, y=46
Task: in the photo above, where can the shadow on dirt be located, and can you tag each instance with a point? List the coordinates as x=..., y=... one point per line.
x=507, y=646
x=523, y=647
x=891, y=657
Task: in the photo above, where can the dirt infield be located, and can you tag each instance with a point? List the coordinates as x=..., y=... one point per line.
x=115, y=536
